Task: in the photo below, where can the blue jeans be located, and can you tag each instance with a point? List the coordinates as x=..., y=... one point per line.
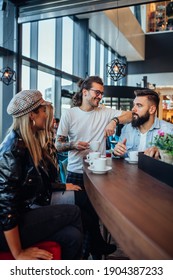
x=59, y=223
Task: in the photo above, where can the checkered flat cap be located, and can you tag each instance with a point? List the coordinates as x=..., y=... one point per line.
x=24, y=102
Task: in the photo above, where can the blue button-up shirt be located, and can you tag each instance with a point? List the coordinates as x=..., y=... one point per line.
x=133, y=134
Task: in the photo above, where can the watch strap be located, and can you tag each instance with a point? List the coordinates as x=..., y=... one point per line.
x=115, y=119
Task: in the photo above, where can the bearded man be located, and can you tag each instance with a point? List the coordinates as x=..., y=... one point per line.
x=139, y=134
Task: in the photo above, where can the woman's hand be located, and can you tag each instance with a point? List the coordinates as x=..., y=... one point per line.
x=71, y=187
x=34, y=253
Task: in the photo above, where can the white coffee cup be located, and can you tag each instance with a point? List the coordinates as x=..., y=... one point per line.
x=98, y=164
x=93, y=155
x=133, y=155
x=94, y=145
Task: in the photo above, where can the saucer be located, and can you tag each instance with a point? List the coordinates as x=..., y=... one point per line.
x=131, y=161
x=108, y=168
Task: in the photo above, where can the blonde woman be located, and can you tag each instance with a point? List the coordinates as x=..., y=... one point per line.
x=26, y=174
x=47, y=140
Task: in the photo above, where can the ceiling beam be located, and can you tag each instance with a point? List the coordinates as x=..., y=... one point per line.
x=37, y=10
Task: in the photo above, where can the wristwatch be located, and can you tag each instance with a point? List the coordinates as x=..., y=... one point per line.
x=115, y=119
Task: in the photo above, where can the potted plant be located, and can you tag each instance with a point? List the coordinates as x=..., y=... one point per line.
x=164, y=142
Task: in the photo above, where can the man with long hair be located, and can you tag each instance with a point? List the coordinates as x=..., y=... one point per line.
x=87, y=122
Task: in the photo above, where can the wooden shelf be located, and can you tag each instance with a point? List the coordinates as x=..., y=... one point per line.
x=157, y=18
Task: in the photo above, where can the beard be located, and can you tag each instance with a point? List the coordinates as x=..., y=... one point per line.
x=95, y=104
x=138, y=121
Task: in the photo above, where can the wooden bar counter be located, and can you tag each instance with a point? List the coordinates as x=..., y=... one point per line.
x=136, y=208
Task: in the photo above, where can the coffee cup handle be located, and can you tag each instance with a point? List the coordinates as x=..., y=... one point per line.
x=88, y=157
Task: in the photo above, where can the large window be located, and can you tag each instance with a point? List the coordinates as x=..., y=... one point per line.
x=109, y=60
x=1, y=29
x=25, y=77
x=46, y=42
x=102, y=66
x=111, y=102
x=66, y=93
x=46, y=85
x=92, y=55
x=26, y=39
x=67, y=45
x=124, y=104
x=106, y=55
x=54, y=40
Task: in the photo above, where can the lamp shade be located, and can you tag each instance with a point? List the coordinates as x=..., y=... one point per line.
x=8, y=75
x=116, y=69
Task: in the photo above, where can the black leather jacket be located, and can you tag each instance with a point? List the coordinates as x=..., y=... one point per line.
x=21, y=184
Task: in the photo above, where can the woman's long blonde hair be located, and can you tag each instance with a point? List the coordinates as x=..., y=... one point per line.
x=23, y=124
x=46, y=137
x=38, y=143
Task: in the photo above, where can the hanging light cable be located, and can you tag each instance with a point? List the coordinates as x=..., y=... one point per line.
x=116, y=69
